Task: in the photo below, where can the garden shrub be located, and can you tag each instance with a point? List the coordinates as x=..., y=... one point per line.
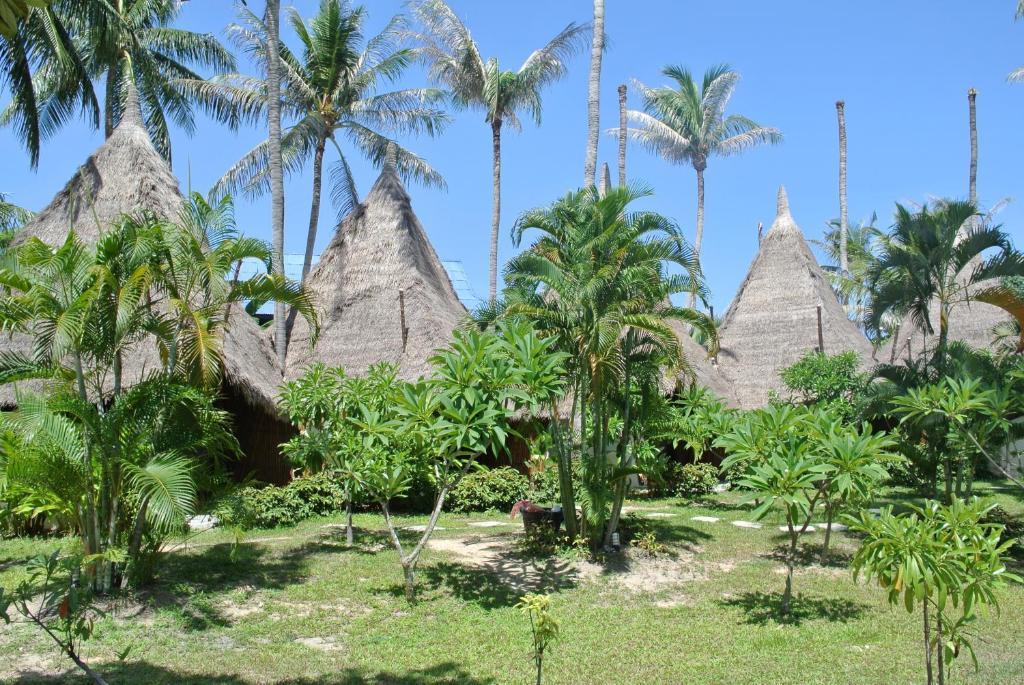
x=544, y=488
x=273, y=506
x=1013, y=528
x=695, y=480
x=489, y=489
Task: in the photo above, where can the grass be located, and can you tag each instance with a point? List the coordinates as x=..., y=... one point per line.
x=298, y=606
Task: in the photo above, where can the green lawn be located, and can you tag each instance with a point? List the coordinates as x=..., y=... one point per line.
x=297, y=606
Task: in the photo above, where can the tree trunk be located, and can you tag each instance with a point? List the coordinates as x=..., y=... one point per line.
x=927, y=646
x=495, y=207
x=699, y=236
x=109, y=98
x=828, y=531
x=540, y=669
x=844, y=259
x=787, y=595
x=349, y=533
x=940, y=656
x=314, y=209
x=972, y=182
x=622, y=134
x=594, y=95
x=276, y=167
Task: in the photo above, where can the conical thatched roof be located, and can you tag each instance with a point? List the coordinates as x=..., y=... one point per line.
x=702, y=371
x=381, y=291
x=126, y=174
x=773, y=321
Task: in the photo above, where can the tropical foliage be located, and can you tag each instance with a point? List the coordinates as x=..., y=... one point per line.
x=334, y=88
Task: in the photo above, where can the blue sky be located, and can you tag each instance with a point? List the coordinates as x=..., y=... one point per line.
x=903, y=69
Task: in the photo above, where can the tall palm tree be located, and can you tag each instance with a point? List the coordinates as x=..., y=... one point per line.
x=134, y=39
x=851, y=286
x=844, y=264
x=934, y=259
x=594, y=95
x=272, y=19
x=12, y=217
x=455, y=62
x=685, y=124
x=331, y=89
x=596, y=279
x=622, y=134
x=972, y=121
x=42, y=50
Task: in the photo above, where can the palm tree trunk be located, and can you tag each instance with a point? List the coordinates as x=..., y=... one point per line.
x=699, y=236
x=276, y=167
x=495, y=207
x=314, y=209
x=110, y=96
x=622, y=135
x=594, y=95
x=972, y=182
x=844, y=260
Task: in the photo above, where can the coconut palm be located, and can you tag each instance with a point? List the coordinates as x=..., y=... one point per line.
x=685, y=124
x=862, y=243
x=844, y=264
x=594, y=95
x=596, y=279
x=275, y=164
x=12, y=217
x=42, y=49
x=330, y=90
x=934, y=259
x=122, y=40
x=455, y=62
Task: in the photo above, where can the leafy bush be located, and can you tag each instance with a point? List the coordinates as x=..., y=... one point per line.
x=694, y=480
x=544, y=487
x=273, y=506
x=1013, y=528
x=831, y=380
x=490, y=489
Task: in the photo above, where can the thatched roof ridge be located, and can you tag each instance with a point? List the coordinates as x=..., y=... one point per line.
x=124, y=175
x=380, y=289
x=772, y=321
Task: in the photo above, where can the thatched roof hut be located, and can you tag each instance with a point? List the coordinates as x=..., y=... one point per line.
x=702, y=371
x=126, y=174
x=381, y=291
x=774, y=319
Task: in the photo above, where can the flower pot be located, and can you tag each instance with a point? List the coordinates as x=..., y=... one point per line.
x=535, y=521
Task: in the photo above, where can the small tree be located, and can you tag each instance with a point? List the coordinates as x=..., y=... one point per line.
x=465, y=408
x=826, y=380
x=53, y=598
x=543, y=625
x=942, y=559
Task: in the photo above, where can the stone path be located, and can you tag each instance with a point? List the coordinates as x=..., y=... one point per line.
x=785, y=529
x=705, y=519
x=488, y=524
x=658, y=515
x=420, y=528
x=746, y=524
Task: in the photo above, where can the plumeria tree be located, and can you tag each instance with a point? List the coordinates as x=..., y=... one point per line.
x=463, y=409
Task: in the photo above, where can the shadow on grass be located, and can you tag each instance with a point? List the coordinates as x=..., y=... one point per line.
x=810, y=554
x=151, y=674
x=762, y=608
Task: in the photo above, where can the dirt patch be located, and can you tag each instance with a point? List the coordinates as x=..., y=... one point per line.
x=323, y=644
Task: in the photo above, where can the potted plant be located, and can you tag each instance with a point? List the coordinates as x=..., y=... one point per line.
x=536, y=516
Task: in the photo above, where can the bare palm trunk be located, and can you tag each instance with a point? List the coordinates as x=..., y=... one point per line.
x=594, y=95
x=844, y=259
x=110, y=97
x=699, y=236
x=622, y=134
x=972, y=183
x=276, y=167
x=496, y=207
x=314, y=209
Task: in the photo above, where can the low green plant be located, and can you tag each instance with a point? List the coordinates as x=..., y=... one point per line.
x=543, y=627
x=489, y=489
x=943, y=559
x=830, y=381
x=54, y=598
x=273, y=506
x=694, y=480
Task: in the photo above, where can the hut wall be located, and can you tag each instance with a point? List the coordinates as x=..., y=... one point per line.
x=260, y=436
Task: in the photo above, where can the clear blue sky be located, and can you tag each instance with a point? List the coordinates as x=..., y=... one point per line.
x=902, y=67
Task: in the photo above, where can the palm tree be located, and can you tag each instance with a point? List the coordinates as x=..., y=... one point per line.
x=122, y=40
x=852, y=287
x=932, y=260
x=12, y=217
x=42, y=49
x=330, y=90
x=622, y=134
x=844, y=264
x=455, y=62
x=276, y=166
x=684, y=124
x=596, y=280
x=594, y=95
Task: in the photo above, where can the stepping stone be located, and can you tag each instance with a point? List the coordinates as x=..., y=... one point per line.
x=785, y=529
x=721, y=487
x=746, y=524
x=488, y=524
x=420, y=528
x=838, y=527
x=705, y=519
x=202, y=522
x=658, y=515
